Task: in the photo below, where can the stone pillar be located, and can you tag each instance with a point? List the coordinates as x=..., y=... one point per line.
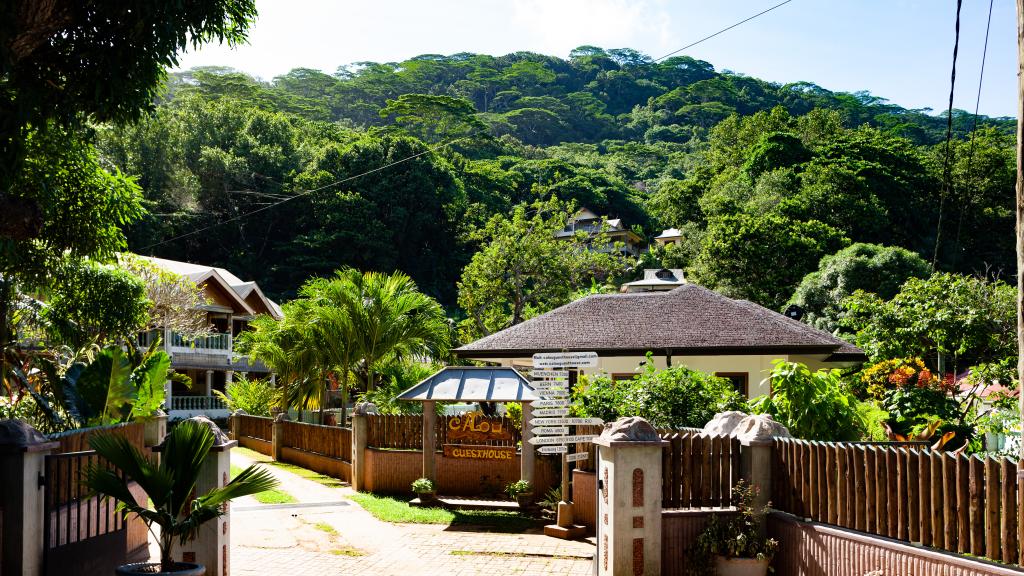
x=229, y=377
x=212, y=545
x=209, y=383
x=277, y=435
x=168, y=393
x=359, y=437
x=757, y=436
x=235, y=421
x=154, y=429
x=629, y=504
x=23, y=453
x=430, y=441
x=529, y=455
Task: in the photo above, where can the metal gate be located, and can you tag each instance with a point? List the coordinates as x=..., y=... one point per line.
x=83, y=535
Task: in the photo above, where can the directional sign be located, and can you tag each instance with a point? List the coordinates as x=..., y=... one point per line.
x=576, y=457
x=554, y=388
x=565, y=360
x=577, y=439
x=564, y=421
x=550, y=430
x=553, y=449
x=540, y=384
x=550, y=403
x=549, y=373
x=551, y=412
x=554, y=393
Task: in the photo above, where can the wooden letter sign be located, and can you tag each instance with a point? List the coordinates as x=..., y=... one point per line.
x=479, y=452
x=475, y=428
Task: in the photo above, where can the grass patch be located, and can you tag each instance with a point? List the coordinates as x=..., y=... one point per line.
x=391, y=509
x=268, y=497
x=325, y=527
x=317, y=477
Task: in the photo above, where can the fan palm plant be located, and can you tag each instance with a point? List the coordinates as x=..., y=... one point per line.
x=169, y=484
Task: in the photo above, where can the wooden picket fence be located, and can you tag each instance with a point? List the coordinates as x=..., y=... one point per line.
x=78, y=440
x=329, y=441
x=406, y=432
x=698, y=470
x=259, y=427
x=958, y=503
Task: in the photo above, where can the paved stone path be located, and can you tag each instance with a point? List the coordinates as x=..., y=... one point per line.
x=339, y=537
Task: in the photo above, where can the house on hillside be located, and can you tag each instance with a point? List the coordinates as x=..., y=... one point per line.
x=587, y=221
x=210, y=360
x=688, y=325
x=669, y=236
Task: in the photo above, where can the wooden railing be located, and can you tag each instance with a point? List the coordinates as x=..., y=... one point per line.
x=329, y=441
x=406, y=432
x=259, y=427
x=78, y=440
x=963, y=504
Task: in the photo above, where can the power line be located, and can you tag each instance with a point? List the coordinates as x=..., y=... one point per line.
x=974, y=128
x=303, y=193
x=709, y=37
x=946, y=172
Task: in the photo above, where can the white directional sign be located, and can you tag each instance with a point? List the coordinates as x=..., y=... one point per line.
x=564, y=421
x=549, y=383
x=550, y=403
x=556, y=374
x=551, y=430
x=551, y=412
x=565, y=360
x=576, y=439
x=554, y=393
x=553, y=449
x=576, y=457
x=552, y=389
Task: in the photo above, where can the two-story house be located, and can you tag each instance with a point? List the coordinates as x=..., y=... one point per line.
x=209, y=360
x=587, y=221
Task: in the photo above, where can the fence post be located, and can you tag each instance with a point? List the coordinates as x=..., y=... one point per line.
x=212, y=544
x=155, y=428
x=22, y=466
x=359, y=437
x=629, y=505
x=235, y=423
x=757, y=437
x=528, y=455
x=277, y=435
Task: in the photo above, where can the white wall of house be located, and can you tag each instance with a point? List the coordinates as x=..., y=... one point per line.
x=757, y=367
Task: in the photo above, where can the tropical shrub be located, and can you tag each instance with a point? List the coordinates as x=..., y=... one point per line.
x=678, y=397
x=740, y=535
x=598, y=396
x=812, y=405
x=254, y=396
x=881, y=377
x=422, y=485
x=518, y=487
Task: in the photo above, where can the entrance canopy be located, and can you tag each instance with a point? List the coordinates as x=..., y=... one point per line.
x=472, y=384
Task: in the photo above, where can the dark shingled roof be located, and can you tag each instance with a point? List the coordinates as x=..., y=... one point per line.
x=688, y=320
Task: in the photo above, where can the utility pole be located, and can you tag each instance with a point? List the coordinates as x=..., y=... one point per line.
x=1020, y=223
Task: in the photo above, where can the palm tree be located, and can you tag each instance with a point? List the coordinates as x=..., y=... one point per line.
x=169, y=484
x=392, y=319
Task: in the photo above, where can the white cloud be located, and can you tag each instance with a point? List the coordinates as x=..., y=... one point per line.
x=557, y=26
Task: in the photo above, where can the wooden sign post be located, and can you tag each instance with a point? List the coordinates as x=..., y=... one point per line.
x=551, y=430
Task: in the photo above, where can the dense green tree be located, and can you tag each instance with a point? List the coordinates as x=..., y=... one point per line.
x=96, y=303
x=880, y=270
x=952, y=322
x=523, y=270
x=762, y=258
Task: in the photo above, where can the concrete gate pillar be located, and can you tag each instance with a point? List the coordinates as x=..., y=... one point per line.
x=23, y=453
x=277, y=435
x=359, y=438
x=212, y=545
x=629, y=499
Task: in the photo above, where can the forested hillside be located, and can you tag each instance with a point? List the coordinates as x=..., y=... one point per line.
x=762, y=179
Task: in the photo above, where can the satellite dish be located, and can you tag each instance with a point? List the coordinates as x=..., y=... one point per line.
x=795, y=312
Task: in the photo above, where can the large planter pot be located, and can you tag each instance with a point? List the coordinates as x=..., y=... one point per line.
x=740, y=566
x=524, y=499
x=427, y=496
x=153, y=568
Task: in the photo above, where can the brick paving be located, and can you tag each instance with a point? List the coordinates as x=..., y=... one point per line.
x=344, y=539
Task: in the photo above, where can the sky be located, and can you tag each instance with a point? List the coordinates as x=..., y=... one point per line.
x=900, y=50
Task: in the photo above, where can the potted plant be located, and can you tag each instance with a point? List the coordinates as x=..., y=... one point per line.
x=169, y=486
x=737, y=546
x=424, y=488
x=522, y=492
